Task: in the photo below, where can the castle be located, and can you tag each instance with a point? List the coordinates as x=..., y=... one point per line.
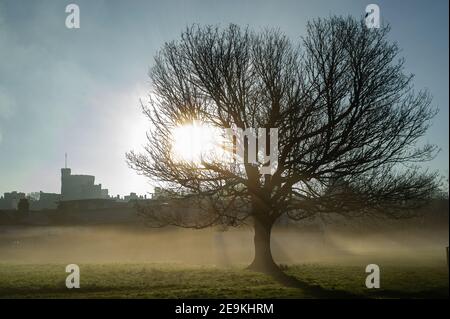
x=76, y=191
x=75, y=187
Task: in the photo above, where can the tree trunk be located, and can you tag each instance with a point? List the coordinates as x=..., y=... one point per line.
x=263, y=260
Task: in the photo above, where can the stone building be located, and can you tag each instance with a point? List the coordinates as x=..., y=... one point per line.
x=74, y=187
x=10, y=200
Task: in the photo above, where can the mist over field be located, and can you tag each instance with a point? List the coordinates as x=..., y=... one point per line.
x=393, y=243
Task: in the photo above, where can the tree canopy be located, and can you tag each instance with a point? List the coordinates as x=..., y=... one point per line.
x=349, y=124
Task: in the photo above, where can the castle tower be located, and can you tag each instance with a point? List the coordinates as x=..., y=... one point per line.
x=65, y=172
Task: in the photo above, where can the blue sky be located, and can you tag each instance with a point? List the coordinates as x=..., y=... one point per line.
x=77, y=91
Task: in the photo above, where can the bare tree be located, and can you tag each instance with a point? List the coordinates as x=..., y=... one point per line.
x=348, y=119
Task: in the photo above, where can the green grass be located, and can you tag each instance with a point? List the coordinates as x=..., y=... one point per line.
x=178, y=281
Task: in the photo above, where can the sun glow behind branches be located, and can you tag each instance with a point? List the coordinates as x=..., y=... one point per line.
x=196, y=142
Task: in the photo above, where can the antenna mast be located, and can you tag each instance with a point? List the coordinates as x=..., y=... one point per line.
x=65, y=160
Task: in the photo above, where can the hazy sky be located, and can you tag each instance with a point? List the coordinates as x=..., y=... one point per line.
x=77, y=90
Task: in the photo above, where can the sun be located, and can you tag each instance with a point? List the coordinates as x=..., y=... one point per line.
x=196, y=141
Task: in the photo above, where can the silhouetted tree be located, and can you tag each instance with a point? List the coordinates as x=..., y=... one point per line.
x=23, y=206
x=347, y=115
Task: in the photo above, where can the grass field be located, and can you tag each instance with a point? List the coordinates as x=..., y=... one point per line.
x=180, y=281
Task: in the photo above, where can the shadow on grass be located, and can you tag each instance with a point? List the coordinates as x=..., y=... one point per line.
x=317, y=291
